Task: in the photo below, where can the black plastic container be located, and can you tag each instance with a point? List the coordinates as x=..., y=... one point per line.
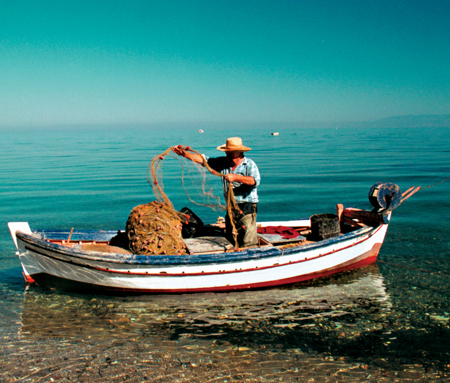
x=192, y=225
x=324, y=226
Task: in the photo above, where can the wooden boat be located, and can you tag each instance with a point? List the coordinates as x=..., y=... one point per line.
x=212, y=263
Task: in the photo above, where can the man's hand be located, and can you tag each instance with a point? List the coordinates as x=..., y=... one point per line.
x=178, y=150
x=231, y=177
x=189, y=155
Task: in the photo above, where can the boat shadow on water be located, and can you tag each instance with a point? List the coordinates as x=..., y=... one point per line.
x=346, y=316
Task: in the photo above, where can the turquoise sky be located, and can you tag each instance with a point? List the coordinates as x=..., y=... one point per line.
x=70, y=62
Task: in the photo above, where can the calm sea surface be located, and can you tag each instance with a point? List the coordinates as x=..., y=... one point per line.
x=389, y=321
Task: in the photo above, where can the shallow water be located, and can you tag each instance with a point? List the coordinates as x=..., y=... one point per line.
x=385, y=322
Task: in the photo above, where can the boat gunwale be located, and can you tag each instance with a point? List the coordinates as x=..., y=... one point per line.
x=188, y=259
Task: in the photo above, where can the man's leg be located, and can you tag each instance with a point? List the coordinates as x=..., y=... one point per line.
x=247, y=233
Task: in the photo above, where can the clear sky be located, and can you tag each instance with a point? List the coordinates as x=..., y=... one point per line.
x=133, y=61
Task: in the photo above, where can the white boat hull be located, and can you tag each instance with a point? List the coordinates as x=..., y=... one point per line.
x=255, y=268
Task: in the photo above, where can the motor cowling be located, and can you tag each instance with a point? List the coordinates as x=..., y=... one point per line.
x=386, y=196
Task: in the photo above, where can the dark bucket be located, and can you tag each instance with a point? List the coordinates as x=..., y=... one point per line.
x=324, y=226
x=193, y=224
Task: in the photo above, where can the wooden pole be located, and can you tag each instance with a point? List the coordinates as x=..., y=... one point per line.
x=406, y=196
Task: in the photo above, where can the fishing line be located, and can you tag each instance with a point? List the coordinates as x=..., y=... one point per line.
x=429, y=186
x=411, y=191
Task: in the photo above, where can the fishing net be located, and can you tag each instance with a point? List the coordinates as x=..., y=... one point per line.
x=156, y=228
x=198, y=180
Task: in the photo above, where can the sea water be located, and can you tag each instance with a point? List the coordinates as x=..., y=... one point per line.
x=387, y=321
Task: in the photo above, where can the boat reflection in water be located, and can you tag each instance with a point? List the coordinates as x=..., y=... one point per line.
x=347, y=302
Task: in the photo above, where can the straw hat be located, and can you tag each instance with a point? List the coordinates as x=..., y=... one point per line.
x=234, y=144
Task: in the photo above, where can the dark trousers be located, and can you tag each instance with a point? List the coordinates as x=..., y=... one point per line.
x=245, y=225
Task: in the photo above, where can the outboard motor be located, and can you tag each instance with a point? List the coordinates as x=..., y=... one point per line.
x=385, y=196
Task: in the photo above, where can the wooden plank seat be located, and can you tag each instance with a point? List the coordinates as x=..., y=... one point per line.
x=202, y=245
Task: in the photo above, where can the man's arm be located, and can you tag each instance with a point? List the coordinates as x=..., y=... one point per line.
x=246, y=180
x=194, y=157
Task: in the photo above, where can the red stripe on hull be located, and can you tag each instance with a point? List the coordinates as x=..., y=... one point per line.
x=166, y=274
x=358, y=262
x=28, y=278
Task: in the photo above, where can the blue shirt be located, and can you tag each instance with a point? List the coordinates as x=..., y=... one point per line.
x=242, y=192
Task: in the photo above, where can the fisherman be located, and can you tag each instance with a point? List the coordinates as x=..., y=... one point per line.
x=242, y=174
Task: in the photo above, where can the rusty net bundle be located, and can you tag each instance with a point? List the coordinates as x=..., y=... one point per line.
x=156, y=228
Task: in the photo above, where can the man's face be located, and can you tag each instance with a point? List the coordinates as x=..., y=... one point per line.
x=233, y=155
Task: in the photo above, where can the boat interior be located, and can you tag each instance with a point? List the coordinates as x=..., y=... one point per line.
x=210, y=239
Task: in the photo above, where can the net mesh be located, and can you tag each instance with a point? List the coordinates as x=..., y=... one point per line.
x=156, y=228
